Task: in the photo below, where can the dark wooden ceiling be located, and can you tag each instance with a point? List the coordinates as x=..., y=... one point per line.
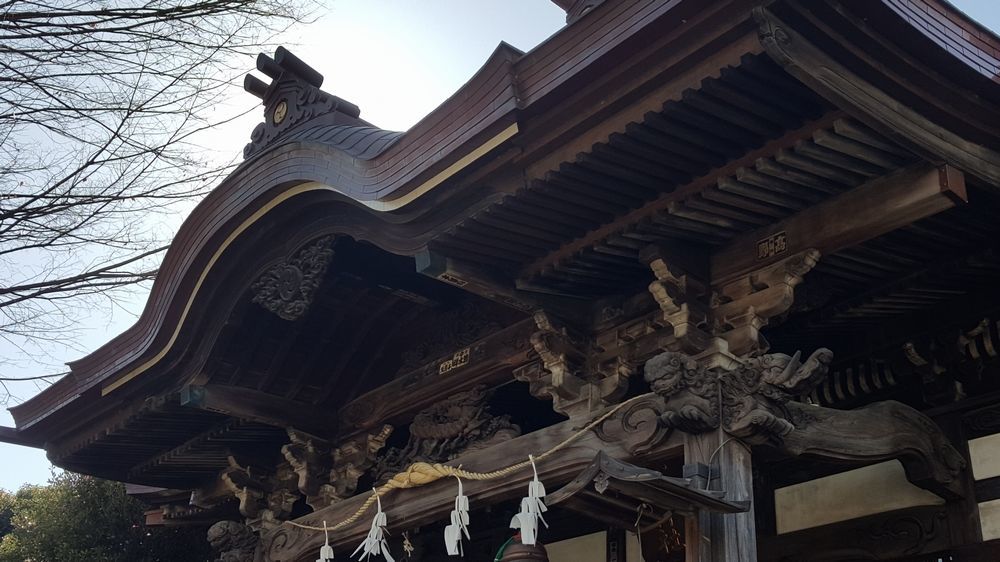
x=709, y=127
x=373, y=317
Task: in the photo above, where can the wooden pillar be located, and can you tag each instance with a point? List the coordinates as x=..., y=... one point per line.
x=716, y=309
x=720, y=462
x=963, y=512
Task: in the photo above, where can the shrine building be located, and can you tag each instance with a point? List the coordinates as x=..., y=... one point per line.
x=720, y=275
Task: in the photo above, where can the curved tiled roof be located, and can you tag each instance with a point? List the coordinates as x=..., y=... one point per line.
x=356, y=162
x=363, y=143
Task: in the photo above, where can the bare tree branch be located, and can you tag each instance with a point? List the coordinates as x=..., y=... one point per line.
x=101, y=105
x=36, y=378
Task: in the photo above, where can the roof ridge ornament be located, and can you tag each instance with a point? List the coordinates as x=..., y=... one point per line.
x=293, y=97
x=576, y=9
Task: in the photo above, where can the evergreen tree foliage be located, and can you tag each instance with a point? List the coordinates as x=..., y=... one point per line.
x=78, y=518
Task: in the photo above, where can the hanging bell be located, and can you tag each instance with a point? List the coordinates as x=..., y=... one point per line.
x=518, y=552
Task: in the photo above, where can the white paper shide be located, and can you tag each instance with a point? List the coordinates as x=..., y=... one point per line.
x=459, y=524
x=375, y=543
x=532, y=508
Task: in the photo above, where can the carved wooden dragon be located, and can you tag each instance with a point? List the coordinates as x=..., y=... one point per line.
x=757, y=403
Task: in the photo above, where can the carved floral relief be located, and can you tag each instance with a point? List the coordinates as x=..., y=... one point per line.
x=287, y=289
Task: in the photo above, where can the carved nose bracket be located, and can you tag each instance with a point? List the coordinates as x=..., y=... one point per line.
x=720, y=320
x=569, y=370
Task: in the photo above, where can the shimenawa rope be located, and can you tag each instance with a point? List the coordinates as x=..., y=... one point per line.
x=422, y=473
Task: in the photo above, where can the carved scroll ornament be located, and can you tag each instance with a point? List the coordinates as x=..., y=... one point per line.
x=755, y=402
x=458, y=424
x=232, y=541
x=287, y=289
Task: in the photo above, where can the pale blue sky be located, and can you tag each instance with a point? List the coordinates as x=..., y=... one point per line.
x=397, y=60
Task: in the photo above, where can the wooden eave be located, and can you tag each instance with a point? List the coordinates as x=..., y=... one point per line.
x=301, y=173
x=247, y=375
x=666, y=102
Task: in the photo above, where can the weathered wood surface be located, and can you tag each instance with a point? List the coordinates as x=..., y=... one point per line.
x=754, y=401
x=714, y=537
x=487, y=360
x=249, y=404
x=674, y=495
x=879, y=431
x=963, y=513
x=821, y=72
x=877, y=207
x=419, y=506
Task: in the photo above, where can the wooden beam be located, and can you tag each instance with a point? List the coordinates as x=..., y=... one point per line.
x=249, y=404
x=15, y=437
x=474, y=280
x=667, y=200
x=411, y=508
x=713, y=537
x=878, y=108
x=875, y=208
x=486, y=361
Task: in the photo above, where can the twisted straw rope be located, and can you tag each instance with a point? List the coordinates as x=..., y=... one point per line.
x=422, y=473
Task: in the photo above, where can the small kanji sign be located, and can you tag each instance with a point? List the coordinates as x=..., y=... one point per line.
x=773, y=245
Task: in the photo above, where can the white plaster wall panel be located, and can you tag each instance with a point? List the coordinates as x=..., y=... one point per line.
x=856, y=493
x=989, y=519
x=985, y=454
x=586, y=548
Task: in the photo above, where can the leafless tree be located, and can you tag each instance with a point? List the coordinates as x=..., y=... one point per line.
x=101, y=105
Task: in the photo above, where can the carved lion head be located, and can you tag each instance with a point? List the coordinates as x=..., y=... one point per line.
x=230, y=535
x=668, y=372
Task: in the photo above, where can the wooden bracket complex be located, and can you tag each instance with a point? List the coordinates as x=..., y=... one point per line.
x=566, y=374
x=717, y=374
x=313, y=470
x=724, y=408
x=309, y=458
x=716, y=302
x=722, y=322
x=353, y=458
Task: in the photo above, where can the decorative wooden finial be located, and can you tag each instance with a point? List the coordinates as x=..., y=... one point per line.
x=293, y=97
x=576, y=9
